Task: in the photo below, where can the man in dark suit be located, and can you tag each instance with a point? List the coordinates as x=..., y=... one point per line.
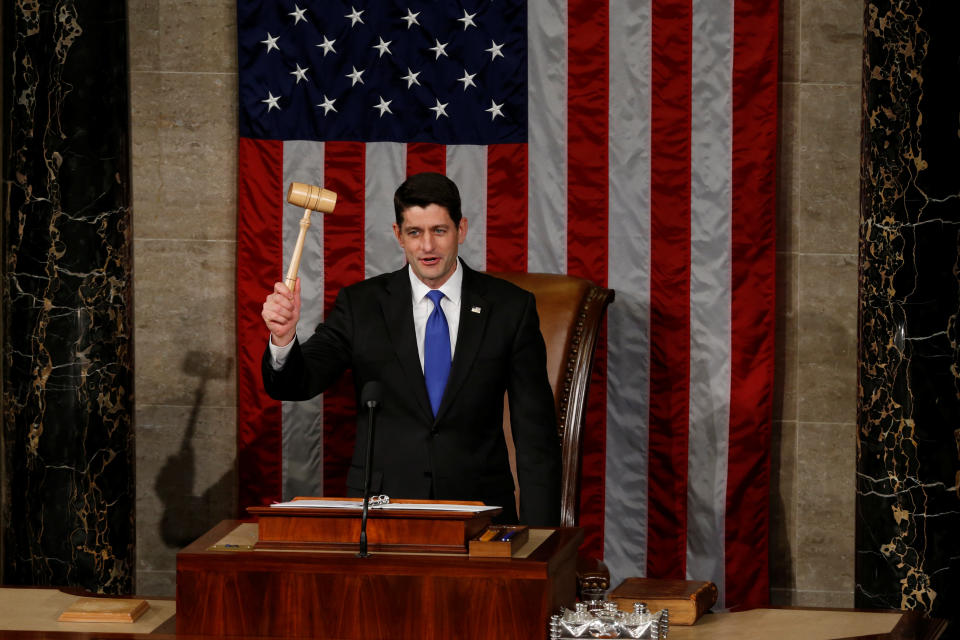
x=439, y=428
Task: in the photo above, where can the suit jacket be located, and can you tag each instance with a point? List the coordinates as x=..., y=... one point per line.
x=461, y=454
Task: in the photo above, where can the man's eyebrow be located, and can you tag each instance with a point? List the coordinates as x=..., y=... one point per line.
x=414, y=227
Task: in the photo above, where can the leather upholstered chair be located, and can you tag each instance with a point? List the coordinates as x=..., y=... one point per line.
x=571, y=313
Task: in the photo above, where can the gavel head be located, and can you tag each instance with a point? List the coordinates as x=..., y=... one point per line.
x=311, y=197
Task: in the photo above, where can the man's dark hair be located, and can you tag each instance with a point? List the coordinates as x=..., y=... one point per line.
x=424, y=189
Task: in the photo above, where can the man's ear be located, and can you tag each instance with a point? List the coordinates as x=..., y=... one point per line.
x=462, y=230
x=396, y=234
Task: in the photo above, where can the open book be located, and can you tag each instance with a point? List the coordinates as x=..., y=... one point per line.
x=324, y=503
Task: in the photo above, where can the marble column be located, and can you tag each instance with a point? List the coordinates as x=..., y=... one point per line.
x=908, y=456
x=68, y=474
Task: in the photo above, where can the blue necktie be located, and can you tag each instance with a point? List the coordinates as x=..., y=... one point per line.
x=436, y=351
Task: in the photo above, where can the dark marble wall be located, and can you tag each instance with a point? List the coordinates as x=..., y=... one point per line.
x=908, y=487
x=67, y=440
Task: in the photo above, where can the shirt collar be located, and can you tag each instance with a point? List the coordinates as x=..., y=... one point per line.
x=451, y=288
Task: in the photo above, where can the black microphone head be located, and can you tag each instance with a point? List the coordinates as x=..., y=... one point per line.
x=371, y=393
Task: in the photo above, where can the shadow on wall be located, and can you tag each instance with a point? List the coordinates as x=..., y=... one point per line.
x=186, y=516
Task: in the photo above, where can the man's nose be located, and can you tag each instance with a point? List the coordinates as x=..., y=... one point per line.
x=428, y=241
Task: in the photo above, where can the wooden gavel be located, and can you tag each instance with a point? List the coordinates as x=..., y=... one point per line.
x=311, y=198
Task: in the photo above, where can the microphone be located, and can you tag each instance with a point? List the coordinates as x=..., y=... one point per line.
x=369, y=398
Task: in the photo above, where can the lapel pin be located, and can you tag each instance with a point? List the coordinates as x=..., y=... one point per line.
x=475, y=309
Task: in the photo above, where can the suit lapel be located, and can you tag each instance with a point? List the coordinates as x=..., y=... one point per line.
x=474, y=311
x=396, y=304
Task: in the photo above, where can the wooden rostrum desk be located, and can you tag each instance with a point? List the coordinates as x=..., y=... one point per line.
x=236, y=591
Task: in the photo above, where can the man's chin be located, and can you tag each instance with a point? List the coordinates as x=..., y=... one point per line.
x=430, y=274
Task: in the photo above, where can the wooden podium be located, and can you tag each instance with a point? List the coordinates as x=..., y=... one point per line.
x=312, y=592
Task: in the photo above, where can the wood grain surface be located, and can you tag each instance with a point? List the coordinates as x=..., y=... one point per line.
x=293, y=594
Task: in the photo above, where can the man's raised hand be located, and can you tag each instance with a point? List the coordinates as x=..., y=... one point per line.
x=281, y=312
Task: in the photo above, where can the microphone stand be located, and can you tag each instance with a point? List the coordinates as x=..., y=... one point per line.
x=371, y=407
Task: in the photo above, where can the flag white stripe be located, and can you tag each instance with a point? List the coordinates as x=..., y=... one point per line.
x=628, y=359
x=710, y=277
x=547, y=136
x=302, y=422
x=467, y=166
x=385, y=169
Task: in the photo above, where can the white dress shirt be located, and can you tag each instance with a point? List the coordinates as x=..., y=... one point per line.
x=422, y=308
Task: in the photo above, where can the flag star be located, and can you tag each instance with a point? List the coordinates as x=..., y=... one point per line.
x=440, y=109
x=327, y=46
x=271, y=42
x=383, y=47
x=411, y=77
x=411, y=18
x=494, y=50
x=355, y=76
x=271, y=102
x=354, y=16
x=300, y=73
x=298, y=14
x=327, y=105
x=467, y=79
x=439, y=49
x=384, y=106
x=494, y=110
x=467, y=20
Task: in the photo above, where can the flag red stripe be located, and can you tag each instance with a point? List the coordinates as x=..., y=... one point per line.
x=343, y=264
x=752, y=308
x=506, y=232
x=587, y=226
x=669, y=288
x=426, y=156
x=260, y=245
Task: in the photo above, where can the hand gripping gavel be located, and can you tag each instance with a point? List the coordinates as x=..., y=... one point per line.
x=311, y=198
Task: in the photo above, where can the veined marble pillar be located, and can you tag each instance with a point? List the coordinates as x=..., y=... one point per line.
x=908, y=458
x=67, y=440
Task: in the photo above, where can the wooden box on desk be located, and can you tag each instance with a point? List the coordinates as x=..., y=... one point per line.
x=686, y=600
x=104, y=610
x=499, y=541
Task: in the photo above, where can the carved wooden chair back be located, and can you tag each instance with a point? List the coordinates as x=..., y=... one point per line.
x=571, y=314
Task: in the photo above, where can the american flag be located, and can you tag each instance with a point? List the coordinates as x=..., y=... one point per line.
x=631, y=143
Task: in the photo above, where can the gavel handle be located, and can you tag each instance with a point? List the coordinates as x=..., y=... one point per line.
x=291, y=279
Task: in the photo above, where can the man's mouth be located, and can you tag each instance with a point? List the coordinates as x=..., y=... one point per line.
x=430, y=261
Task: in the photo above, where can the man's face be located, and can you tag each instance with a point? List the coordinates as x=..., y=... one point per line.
x=430, y=241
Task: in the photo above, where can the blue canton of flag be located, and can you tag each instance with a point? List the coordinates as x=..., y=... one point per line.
x=367, y=71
